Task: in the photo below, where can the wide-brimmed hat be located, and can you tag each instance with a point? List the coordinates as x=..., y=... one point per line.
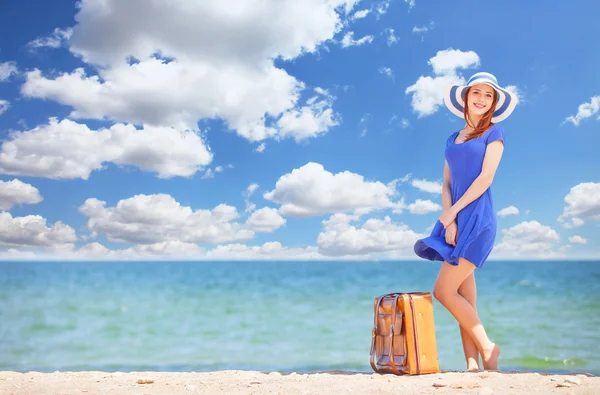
x=453, y=97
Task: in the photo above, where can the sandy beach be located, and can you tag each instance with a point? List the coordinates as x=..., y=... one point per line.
x=326, y=382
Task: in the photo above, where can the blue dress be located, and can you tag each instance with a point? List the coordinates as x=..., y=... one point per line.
x=477, y=221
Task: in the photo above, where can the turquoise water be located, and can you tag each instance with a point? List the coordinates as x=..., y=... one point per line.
x=284, y=316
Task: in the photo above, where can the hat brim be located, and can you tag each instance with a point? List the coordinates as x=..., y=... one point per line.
x=507, y=101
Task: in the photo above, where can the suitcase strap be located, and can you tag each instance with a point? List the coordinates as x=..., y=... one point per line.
x=396, y=296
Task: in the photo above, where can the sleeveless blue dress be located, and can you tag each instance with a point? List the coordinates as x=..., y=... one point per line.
x=477, y=221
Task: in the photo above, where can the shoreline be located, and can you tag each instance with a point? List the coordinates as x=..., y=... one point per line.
x=321, y=382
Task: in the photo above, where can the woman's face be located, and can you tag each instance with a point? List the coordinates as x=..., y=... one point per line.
x=480, y=99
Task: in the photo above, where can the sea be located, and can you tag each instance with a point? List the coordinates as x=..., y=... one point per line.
x=279, y=316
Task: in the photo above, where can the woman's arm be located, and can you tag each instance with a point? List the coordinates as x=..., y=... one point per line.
x=493, y=154
x=446, y=189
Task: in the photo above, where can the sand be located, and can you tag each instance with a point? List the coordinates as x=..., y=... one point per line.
x=328, y=382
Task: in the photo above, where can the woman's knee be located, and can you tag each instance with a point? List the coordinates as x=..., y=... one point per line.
x=441, y=293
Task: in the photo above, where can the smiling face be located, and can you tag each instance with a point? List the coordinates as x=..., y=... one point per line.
x=480, y=99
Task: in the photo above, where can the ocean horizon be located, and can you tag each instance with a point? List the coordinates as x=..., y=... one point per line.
x=284, y=316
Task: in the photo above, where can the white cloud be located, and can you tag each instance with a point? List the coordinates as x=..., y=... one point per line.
x=360, y=14
x=339, y=238
x=349, y=41
x=424, y=29
x=382, y=8
x=58, y=38
x=265, y=220
x=227, y=34
x=450, y=60
x=273, y=250
x=247, y=195
x=211, y=173
x=16, y=192
x=69, y=150
x=411, y=3
x=4, y=105
x=516, y=91
x=32, y=232
x=577, y=240
x=7, y=69
x=171, y=250
x=311, y=120
x=149, y=219
x=312, y=190
x=168, y=250
x=511, y=210
x=528, y=239
x=573, y=222
x=424, y=207
x=583, y=202
x=585, y=110
x=428, y=91
x=387, y=72
x=391, y=36
x=220, y=68
x=428, y=186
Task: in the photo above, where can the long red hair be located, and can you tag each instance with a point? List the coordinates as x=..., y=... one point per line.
x=486, y=120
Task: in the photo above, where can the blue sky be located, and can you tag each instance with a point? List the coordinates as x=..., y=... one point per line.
x=285, y=129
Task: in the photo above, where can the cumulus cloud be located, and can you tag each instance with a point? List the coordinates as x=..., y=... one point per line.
x=583, y=202
x=576, y=239
x=265, y=220
x=67, y=150
x=427, y=186
x=511, y=210
x=149, y=219
x=421, y=206
x=340, y=238
x=311, y=190
x=170, y=250
x=428, y=92
x=272, y=250
x=32, y=232
x=157, y=65
x=529, y=239
x=16, y=192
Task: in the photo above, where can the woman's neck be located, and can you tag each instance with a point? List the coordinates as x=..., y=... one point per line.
x=472, y=122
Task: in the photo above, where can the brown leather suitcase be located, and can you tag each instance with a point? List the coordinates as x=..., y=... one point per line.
x=403, y=338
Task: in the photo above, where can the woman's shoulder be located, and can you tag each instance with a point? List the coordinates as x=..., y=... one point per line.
x=452, y=137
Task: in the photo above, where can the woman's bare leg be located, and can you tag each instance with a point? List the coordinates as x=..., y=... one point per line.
x=446, y=292
x=468, y=290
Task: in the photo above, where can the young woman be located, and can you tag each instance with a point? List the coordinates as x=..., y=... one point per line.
x=464, y=235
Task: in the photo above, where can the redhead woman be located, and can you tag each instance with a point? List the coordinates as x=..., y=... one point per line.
x=463, y=236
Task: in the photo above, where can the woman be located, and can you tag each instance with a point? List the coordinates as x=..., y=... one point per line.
x=464, y=235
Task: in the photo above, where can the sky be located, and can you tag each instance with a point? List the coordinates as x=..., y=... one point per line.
x=285, y=129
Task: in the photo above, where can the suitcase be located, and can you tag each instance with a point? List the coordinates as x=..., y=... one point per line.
x=403, y=339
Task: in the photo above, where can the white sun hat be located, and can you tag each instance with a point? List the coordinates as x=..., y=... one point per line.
x=506, y=99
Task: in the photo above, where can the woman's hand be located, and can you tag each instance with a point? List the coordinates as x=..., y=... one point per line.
x=448, y=216
x=452, y=233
